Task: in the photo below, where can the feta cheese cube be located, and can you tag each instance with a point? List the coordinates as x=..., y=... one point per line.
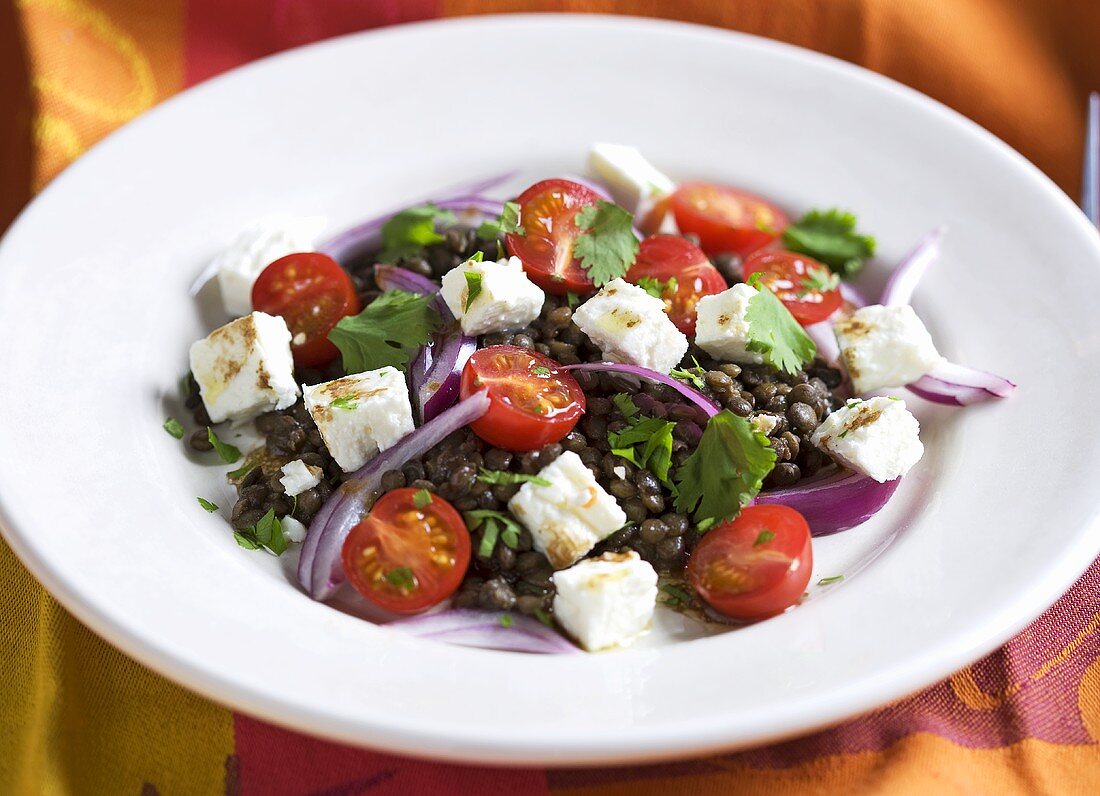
x=257, y=246
x=632, y=181
x=293, y=530
x=245, y=368
x=567, y=518
x=298, y=477
x=508, y=299
x=360, y=415
x=877, y=437
x=721, y=329
x=764, y=423
x=606, y=601
x=631, y=326
x=885, y=347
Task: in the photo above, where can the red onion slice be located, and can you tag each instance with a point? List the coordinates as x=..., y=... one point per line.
x=825, y=339
x=436, y=386
x=852, y=296
x=834, y=503
x=483, y=629
x=392, y=277
x=907, y=274
x=320, y=570
x=693, y=395
x=959, y=385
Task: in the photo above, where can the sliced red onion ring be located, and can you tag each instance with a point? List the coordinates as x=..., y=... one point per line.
x=852, y=295
x=320, y=570
x=436, y=375
x=392, y=277
x=907, y=274
x=469, y=628
x=825, y=339
x=960, y=385
x=693, y=395
x=834, y=503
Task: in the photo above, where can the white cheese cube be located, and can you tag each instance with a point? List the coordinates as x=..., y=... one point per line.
x=631, y=326
x=293, y=530
x=567, y=518
x=245, y=368
x=360, y=415
x=632, y=181
x=606, y=601
x=257, y=246
x=298, y=477
x=721, y=329
x=764, y=423
x=877, y=437
x=885, y=347
x=508, y=299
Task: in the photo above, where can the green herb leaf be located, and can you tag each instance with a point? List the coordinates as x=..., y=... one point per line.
x=494, y=525
x=507, y=223
x=572, y=300
x=608, y=247
x=266, y=533
x=774, y=333
x=505, y=477
x=241, y=471
x=227, y=452
x=820, y=279
x=539, y=370
x=831, y=237
x=422, y=498
x=832, y=579
x=206, y=504
x=473, y=288
x=625, y=404
x=388, y=332
x=411, y=230
x=676, y=597
x=725, y=471
x=346, y=402
x=506, y=620
x=692, y=375
x=245, y=541
x=402, y=577
x=543, y=616
x=647, y=442
x=174, y=427
x=656, y=288
x=764, y=536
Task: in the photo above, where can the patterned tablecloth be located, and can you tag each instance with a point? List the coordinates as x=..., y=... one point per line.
x=76, y=716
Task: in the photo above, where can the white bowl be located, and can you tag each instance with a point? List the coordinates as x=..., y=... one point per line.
x=996, y=521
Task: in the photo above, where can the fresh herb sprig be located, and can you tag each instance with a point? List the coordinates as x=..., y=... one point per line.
x=495, y=525
x=830, y=236
x=505, y=477
x=607, y=247
x=266, y=533
x=508, y=223
x=411, y=230
x=388, y=331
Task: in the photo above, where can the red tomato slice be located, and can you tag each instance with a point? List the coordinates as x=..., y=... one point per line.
x=789, y=277
x=755, y=566
x=532, y=401
x=312, y=293
x=548, y=212
x=663, y=257
x=406, y=557
x=726, y=219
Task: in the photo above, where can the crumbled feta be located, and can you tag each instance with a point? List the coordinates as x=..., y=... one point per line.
x=632, y=181
x=298, y=477
x=606, y=601
x=293, y=531
x=764, y=423
x=567, y=518
x=257, y=246
x=877, y=437
x=245, y=368
x=360, y=415
x=508, y=299
x=885, y=347
x=721, y=329
x=629, y=325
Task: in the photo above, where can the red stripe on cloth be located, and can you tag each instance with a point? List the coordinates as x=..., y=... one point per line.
x=273, y=761
x=221, y=34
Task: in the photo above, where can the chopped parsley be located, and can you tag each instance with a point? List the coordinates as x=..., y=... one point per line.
x=607, y=247
x=505, y=477
x=506, y=620
x=543, y=616
x=675, y=597
x=206, y=504
x=344, y=402
x=831, y=237
x=422, y=498
x=473, y=288
x=692, y=375
x=647, y=442
x=539, y=370
x=572, y=300
x=625, y=404
x=388, y=332
x=820, y=279
x=174, y=427
x=507, y=223
x=724, y=472
x=411, y=230
x=774, y=333
x=494, y=525
x=402, y=577
x=656, y=288
x=228, y=453
x=241, y=471
x=764, y=536
x=831, y=579
x=266, y=533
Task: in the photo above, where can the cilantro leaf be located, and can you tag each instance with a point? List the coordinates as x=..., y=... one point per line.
x=388, y=332
x=539, y=370
x=422, y=498
x=725, y=471
x=227, y=452
x=572, y=300
x=646, y=443
x=242, y=471
x=774, y=333
x=496, y=525
x=174, y=427
x=507, y=223
x=505, y=477
x=830, y=236
x=675, y=597
x=245, y=541
x=820, y=279
x=402, y=577
x=764, y=536
x=656, y=288
x=206, y=504
x=345, y=402
x=411, y=230
x=473, y=288
x=625, y=404
x=692, y=375
x=831, y=579
x=506, y=620
x=608, y=247
x=266, y=533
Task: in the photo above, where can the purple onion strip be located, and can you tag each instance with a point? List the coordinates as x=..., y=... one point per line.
x=693, y=395
x=470, y=628
x=834, y=503
x=959, y=385
x=907, y=274
x=436, y=389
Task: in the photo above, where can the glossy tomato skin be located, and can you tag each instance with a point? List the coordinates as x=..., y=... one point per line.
x=664, y=256
x=783, y=273
x=532, y=401
x=312, y=293
x=406, y=558
x=548, y=212
x=726, y=219
x=742, y=573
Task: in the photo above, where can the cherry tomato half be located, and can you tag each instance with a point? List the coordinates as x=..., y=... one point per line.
x=664, y=257
x=548, y=213
x=754, y=566
x=406, y=557
x=312, y=293
x=798, y=281
x=533, y=402
x=726, y=219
